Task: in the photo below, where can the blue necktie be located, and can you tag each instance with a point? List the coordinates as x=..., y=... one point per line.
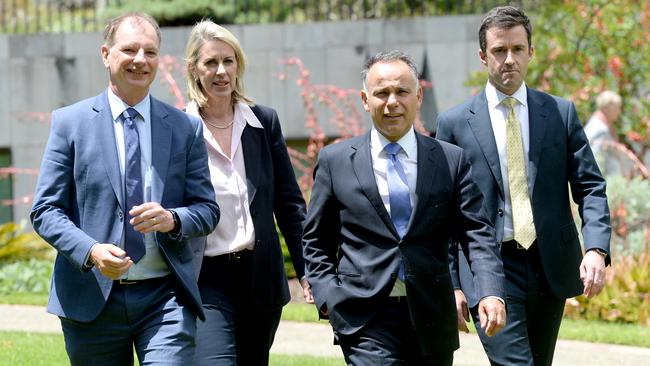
x=133, y=240
x=398, y=194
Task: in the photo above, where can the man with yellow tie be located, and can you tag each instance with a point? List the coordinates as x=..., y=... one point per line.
x=527, y=149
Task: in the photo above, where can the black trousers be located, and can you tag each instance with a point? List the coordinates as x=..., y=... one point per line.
x=234, y=333
x=534, y=314
x=389, y=339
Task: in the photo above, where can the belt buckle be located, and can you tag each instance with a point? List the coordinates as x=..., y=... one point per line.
x=123, y=281
x=234, y=255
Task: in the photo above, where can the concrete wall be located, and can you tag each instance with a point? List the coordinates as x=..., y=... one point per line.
x=39, y=73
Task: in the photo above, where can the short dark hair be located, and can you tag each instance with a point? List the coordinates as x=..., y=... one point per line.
x=114, y=23
x=385, y=57
x=504, y=17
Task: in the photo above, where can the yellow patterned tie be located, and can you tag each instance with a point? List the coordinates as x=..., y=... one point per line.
x=522, y=214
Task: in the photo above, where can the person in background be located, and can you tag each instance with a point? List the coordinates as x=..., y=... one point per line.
x=242, y=278
x=124, y=185
x=382, y=211
x=601, y=133
x=527, y=148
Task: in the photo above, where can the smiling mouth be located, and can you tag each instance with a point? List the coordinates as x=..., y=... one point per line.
x=137, y=72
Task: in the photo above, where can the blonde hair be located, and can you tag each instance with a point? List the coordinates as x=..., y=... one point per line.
x=608, y=98
x=203, y=32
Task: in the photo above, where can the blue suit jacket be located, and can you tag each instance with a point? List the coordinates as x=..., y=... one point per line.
x=559, y=159
x=353, y=251
x=79, y=202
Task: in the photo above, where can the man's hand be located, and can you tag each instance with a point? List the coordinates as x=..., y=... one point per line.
x=592, y=273
x=492, y=314
x=462, y=311
x=110, y=260
x=150, y=216
x=306, y=291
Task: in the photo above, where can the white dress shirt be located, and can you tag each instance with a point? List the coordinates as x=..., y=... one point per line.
x=235, y=230
x=498, y=117
x=152, y=263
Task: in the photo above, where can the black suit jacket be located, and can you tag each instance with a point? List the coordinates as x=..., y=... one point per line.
x=352, y=250
x=273, y=192
x=559, y=159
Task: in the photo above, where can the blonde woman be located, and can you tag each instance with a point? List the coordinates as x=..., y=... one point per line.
x=242, y=279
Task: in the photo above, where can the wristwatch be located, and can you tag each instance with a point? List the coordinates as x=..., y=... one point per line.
x=601, y=252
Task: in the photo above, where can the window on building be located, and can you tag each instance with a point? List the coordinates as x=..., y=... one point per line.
x=6, y=212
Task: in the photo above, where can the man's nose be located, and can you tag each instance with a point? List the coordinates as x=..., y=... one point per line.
x=139, y=57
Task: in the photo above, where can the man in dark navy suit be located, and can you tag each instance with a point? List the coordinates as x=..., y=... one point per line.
x=527, y=149
x=383, y=209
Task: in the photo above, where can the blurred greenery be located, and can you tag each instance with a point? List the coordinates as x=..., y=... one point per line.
x=17, y=244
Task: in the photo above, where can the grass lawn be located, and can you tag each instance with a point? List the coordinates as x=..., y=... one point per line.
x=36, y=349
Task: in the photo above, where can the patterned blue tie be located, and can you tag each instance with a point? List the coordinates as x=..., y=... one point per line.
x=398, y=194
x=133, y=240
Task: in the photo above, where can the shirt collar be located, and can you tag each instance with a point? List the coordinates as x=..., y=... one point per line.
x=495, y=97
x=243, y=114
x=407, y=142
x=118, y=106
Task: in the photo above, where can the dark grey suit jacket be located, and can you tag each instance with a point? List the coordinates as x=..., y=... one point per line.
x=559, y=159
x=352, y=250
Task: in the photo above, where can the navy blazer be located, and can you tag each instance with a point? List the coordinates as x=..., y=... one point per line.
x=79, y=202
x=559, y=159
x=353, y=251
x=273, y=195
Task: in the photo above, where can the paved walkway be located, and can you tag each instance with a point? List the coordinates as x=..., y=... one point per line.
x=316, y=339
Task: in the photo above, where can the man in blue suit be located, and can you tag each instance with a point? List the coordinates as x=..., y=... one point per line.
x=123, y=186
x=527, y=149
x=383, y=208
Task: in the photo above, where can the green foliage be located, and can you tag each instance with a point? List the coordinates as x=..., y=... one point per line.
x=18, y=245
x=31, y=276
x=585, y=47
x=288, y=264
x=629, y=204
x=183, y=12
x=625, y=298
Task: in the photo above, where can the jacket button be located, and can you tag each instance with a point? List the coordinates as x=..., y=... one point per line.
x=119, y=214
x=500, y=212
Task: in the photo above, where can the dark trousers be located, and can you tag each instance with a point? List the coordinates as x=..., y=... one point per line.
x=147, y=316
x=534, y=314
x=389, y=339
x=234, y=332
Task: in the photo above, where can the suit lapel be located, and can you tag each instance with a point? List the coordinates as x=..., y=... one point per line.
x=479, y=121
x=362, y=166
x=537, y=126
x=427, y=167
x=252, y=140
x=103, y=127
x=161, y=141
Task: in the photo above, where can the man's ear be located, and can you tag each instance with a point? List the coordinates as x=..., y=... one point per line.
x=364, y=100
x=482, y=56
x=105, y=51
